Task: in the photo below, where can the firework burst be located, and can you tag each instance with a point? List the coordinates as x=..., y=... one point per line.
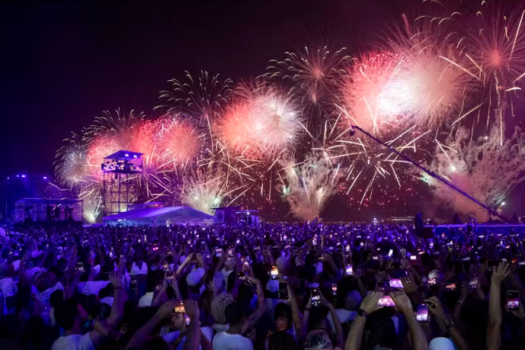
x=314, y=75
x=484, y=169
x=202, y=98
x=260, y=123
x=308, y=186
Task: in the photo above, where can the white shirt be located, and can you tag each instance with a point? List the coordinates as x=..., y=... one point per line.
x=226, y=341
x=74, y=342
x=135, y=270
x=92, y=287
x=170, y=337
x=146, y=299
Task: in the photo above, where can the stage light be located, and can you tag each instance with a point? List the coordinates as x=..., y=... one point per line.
x=23, y=175
x=45, y=177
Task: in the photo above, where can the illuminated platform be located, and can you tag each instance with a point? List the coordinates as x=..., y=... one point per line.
x=480, y=229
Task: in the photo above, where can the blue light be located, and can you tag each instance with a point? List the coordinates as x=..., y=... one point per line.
x=45, y=177
x=17, y=175
x=23, y=175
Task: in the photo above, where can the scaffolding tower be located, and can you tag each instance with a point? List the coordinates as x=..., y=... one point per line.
x=121, y=171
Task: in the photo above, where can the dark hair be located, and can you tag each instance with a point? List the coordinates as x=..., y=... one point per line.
x=234, y=313
x=67, y=313
x=57, y=298
x=284, y=310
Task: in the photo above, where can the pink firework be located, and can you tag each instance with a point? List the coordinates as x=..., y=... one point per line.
x=177, y=141
x=367, y=103
x=100, y=147
x=261, y=122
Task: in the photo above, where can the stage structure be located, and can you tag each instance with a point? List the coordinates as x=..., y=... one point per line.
x=121, y=171
x=236, y=215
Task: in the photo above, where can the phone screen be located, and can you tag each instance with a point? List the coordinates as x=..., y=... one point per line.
x=79, y=267
x=432, y=282
x=274, y=272
x=349, y=270
x=316, y=297
x=390, y=252
x=396, y=283
x=422, y=313
x=413, y=257
x=283, y=291
x=179, y=308
x=450, y=287
x=334, y=289
x=386, y=300
x=513, y=300
x=473, y=284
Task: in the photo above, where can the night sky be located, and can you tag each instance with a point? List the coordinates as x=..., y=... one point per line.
x=64, y=63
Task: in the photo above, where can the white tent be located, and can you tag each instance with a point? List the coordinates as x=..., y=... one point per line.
x=160, y=216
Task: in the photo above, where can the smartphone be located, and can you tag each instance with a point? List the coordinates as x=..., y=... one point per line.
x=230, y=252
x=349, y=270
x=347, y=248
x=513, y=300
x=169, y=276
x=133, y=284
x=396, y=283
x=316, y=297
x=218, y=251
x=386, y=300
x=79, y=267
x=390, y=252
x=274, y=273
x=179, y=308
x=473, y=283
x=334, y=289
x=432, y=282
x=283, y=291
x=422, y=313
x=241, y=276
x=413, y=257
x=155, y=248
x=521, y=263
x=450, y=287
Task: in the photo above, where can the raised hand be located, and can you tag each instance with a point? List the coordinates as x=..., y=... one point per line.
x=500, y=273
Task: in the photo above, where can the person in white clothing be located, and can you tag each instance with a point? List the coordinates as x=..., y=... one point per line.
x=232, y=339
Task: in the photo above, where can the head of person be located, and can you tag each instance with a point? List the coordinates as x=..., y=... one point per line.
x=235, y=314
x=283, y=316
x=70, y=315
x=318, y=339
x=281, y=340
x=353, y=300
x=219, y=305
x=178, y=320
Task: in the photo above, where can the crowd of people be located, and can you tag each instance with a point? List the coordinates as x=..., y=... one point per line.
x=275, y=286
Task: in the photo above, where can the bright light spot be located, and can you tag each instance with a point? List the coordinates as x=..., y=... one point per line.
x=453, y=168
x=502, y=203
x=486, y=138
x=45, y=177
x=127, y=155
x=23, y=175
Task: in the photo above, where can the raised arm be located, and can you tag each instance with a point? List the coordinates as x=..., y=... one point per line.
x=261, y=306
x=141, y=337
x=495, y=316
x=403, y=304
x=194, y=330
x=445, y=323
x=368, y=306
